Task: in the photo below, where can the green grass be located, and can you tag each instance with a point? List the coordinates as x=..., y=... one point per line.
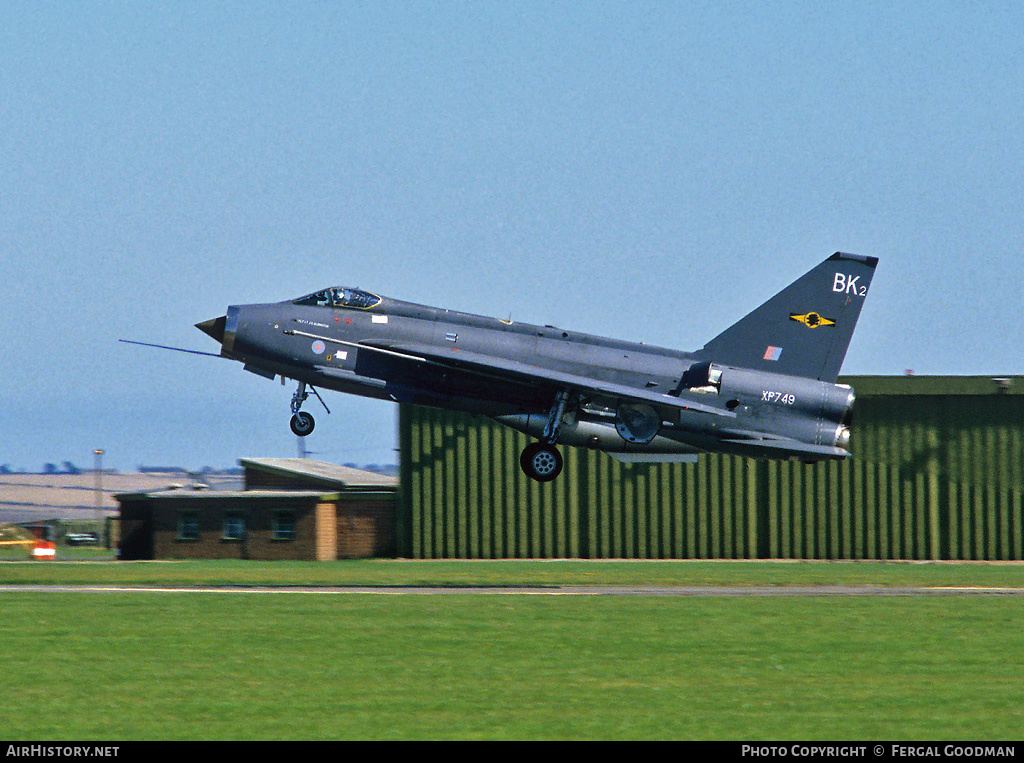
x=510, y=572
x=219, y=665
x=120, y=666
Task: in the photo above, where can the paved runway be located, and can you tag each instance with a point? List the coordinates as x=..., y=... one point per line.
x=663, y=591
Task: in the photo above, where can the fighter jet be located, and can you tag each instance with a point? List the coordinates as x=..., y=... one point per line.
x=764, y=388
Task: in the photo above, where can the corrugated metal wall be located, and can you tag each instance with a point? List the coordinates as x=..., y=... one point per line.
x=937, y=473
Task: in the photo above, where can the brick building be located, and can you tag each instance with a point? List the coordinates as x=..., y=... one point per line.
x=289, y=509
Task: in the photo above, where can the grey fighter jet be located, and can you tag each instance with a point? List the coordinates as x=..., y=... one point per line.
x=765, y=387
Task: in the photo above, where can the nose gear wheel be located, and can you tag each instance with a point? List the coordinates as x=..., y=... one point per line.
x=302, y=423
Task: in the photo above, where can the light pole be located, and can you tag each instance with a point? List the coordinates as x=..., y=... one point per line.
x=98, y=471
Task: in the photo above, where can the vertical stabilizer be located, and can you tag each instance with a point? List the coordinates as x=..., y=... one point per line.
x=805, y=329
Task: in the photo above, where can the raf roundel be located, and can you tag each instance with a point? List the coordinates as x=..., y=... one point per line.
x=319, y=347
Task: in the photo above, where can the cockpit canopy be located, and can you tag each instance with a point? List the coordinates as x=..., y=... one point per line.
x=340, y=296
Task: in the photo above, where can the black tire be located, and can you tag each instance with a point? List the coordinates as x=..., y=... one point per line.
x=541, y=462
x=302, y=423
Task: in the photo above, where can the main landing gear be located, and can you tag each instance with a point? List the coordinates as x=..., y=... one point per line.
x=541, y=460
x=302, y=423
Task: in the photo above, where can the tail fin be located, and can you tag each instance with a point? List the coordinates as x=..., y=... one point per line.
x=803, y=330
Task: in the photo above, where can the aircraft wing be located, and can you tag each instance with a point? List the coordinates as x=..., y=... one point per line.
x=505, y=368
x=514, y=370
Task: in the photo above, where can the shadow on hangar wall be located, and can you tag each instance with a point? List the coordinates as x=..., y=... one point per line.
x=937, y=472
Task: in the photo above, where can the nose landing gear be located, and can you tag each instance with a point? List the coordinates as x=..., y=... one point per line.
x=302, y=423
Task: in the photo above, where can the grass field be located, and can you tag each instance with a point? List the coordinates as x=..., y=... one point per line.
x=123, y=666
x=503, y=572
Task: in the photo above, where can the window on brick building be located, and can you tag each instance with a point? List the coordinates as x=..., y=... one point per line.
x=188, y=525
x=283, y=526
x=234, y=526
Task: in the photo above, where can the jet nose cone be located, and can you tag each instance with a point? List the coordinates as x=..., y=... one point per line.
x=213, y=327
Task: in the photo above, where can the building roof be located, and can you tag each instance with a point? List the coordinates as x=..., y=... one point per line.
x=222, y=495
x=72, y=497
x=912, y=384
x=321, y=473
x=319, y=480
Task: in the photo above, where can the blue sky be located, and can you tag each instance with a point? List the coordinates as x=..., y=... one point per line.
x=648, y=171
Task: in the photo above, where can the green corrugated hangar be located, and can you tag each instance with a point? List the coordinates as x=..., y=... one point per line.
x=937, y=473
